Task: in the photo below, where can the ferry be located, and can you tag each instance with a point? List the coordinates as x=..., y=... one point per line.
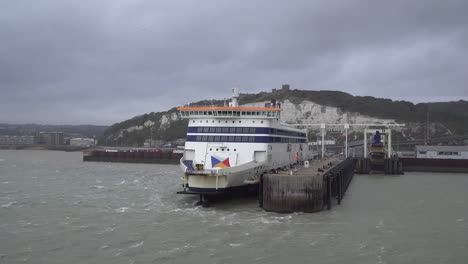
x=229, y=147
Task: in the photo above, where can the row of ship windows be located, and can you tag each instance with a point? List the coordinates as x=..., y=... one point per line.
x=245, y=130
x=252, y=139
x=225, y=121
x=230, y=113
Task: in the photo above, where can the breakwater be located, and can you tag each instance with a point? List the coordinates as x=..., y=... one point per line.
x=133, y=156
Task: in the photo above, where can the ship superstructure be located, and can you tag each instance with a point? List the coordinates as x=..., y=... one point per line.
x=231, y=146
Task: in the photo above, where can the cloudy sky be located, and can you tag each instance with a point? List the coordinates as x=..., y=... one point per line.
x=100, y=62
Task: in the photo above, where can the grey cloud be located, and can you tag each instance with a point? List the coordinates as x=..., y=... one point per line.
x=104, y=61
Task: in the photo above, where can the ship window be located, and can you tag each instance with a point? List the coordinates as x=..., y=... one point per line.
x=245, y=139
x=199, y=138
x=246, y=130
x=206, y=129
x=242, y=113
x=216, y=139
x=216, y=149
x=218, y=130
x=252, y=130
x=211, y=149
x=225, y=129
x=210, y=138
x=422, y=152
x=249, y=113
x=212, y=121
x=212, y=129
x=251, y=139
x=231, y=139
x=238, y=139
x=224, y=138
x=240, y=121
x=233, y=121
x=239, y=130
x=199, y=129
x=204, y=138
x=261, y=122
x=207, y=121
x=210, y=113
x=193, y=121
x=235, y=149
x=222, y=149
x=204, y=112
x=226, y=121
x=253, y=121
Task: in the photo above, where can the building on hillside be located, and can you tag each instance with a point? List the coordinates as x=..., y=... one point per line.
x=442, y=152
x=82, y=142
x=50, y=138
x=16, y=140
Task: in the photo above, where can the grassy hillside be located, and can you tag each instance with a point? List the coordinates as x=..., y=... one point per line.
x=453, y=115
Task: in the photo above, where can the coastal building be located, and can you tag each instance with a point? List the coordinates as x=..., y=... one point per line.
x=16, y=140
x=442, y=152
x=51, y=138
x=82, y=142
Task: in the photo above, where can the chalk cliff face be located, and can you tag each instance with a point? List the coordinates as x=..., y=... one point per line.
x=309, y=112
x=310, y=107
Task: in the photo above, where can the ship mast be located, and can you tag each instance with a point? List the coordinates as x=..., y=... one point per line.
x=235, y=96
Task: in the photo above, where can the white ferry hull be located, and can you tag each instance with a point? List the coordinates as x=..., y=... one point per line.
x=231, y=146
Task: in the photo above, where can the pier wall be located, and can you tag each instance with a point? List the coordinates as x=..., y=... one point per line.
x=435, y=165
x=308, y=189
x=161, y=157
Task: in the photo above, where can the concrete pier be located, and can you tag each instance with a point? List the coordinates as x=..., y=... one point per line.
x=305, y=189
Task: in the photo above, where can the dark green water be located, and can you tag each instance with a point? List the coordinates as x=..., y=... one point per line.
x=56, y=209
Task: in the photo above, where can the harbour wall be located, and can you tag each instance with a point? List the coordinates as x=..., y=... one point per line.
x=435, y=165
x=152, y=157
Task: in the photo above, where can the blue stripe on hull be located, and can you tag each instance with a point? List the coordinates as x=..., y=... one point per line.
x=244, y=139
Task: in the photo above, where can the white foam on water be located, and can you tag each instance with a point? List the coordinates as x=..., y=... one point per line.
x=122, y=182
x=98, y=181
x=104, y=247
x=7, y=205
x=264, y=220
x=121, y=210
x=99, y=187
x=234, y=245
x=380, y=224
x=170, y=251
x=282, y=217
x=136, y=181
x=106, y=230
x=460, y=220
x=137, y=244
x=5, y=182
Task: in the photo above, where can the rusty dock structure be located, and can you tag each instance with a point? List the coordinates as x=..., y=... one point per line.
x=309, y=188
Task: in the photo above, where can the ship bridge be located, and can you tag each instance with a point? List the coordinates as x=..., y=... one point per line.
x=195, y=112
